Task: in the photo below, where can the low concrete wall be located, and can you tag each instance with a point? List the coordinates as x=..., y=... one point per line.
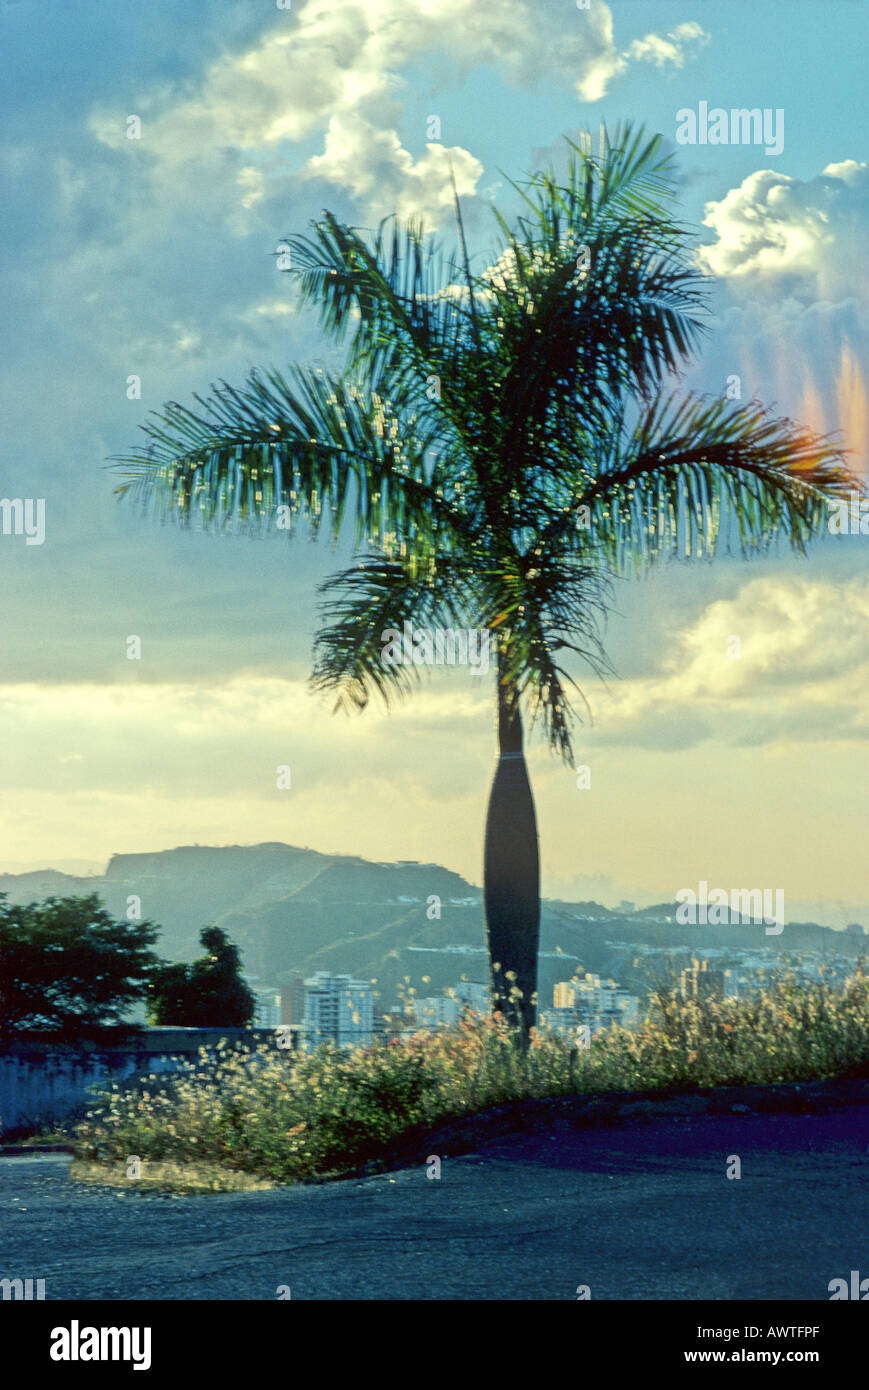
x=44, y=1082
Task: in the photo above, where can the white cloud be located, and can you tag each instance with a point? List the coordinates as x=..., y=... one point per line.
x=798, y=673
x=151, y=760
x=794, y=292
x=267, y=309
x=672, y=50
x=374, y=167
x=812, y=232
x=335, y=66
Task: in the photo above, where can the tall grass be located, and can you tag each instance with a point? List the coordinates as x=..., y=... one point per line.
x=288, y=1117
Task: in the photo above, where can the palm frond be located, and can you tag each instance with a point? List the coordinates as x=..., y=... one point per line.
x=693, y=471
x=574, y=337
x=367, y=600
x=556, y=606
x=310, y=443
x=389, y=296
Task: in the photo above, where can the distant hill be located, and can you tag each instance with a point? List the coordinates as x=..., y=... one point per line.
x=296, y=910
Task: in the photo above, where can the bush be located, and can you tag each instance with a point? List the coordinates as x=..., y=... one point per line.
x=293, y=1117
x=68, y=969
x=209, y=993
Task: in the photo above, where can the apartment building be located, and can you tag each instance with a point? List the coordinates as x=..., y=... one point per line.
x=338, y=1009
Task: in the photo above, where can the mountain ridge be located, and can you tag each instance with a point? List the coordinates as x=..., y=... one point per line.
x=292, y=910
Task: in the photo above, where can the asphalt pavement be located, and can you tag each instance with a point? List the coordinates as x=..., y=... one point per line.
x=640, y=1211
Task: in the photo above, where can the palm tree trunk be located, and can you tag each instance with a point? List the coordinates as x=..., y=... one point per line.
x=511, y=872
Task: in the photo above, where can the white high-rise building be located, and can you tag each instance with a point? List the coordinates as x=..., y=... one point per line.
x=338, y=1009
x=436, y=1011
x=445, y=1010
x=267, y=1007
x=267, y=1013
x=592, y=1002
x=475, y=996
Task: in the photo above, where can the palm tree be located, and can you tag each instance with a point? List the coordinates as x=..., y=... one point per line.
x=506, y=442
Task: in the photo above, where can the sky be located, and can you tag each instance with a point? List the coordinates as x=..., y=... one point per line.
x=152, y=159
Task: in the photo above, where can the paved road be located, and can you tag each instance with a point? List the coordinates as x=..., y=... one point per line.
x=639, y=1212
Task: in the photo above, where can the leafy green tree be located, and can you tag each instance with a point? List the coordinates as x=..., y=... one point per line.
x=210, y=993
x=67, y=968
x=506, y=442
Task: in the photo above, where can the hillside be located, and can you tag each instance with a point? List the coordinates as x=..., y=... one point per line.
x=293, y=910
